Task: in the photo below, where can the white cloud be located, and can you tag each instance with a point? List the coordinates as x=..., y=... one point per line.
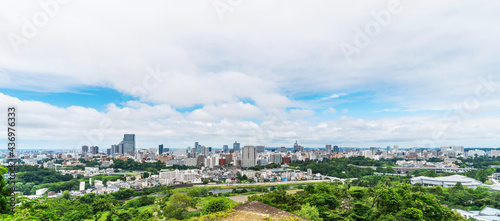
x=333, y=96
x=43, y=126
x=237, y=110
x=301, y=113
x=330, y=110
x=247, y=68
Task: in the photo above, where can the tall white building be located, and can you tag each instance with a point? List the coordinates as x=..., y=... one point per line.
x=275, y=158
x=248, y=156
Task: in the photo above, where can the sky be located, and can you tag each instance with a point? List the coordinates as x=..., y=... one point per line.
x=261, y=72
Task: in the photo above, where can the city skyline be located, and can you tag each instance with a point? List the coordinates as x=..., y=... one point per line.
x=370, y=77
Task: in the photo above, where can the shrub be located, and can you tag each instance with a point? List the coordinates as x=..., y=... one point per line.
x=217, y=204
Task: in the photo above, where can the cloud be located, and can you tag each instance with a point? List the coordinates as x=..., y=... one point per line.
x=237, y=110
x=333, y=96
x=330, y=110
x=248, y=68
x=301, y=113
x=46, y=126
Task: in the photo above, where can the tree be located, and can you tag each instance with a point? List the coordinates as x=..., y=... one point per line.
x=178, y=205
x=360, y=212
x=482, y=175
x=310, y=212
x=66, y=195
x=101, y=204
x=4, y=192
x=193, y=193
x=217, y=204
x=411, y=214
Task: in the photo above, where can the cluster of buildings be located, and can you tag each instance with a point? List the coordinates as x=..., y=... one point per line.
x=244, y=156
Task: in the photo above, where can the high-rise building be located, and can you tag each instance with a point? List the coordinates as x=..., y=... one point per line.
x=200, y=161
x=94, y=149
x=85, y=149
x=115, y=149
x=328, y=148
x=225, y=148
x=120, y=147
x=228, y=157
x=248, y=156
x=336, y=149
x=282, y=149
x=129, y=144
x=160, y=149
x=204, y=150
x=275, y=158
x=260, y=149
x=297, y=147
x=108, y=151
x=236, y=146
x=197, y=147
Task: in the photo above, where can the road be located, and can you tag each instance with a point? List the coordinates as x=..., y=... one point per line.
x=260, y=184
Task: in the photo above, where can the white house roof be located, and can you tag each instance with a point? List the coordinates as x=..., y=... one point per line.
x=488, y=211
x=487, y=218
x=449, y=179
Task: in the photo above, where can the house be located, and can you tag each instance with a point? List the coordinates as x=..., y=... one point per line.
x=486, y=214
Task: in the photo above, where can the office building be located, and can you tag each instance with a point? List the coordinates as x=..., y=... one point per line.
x=160, y=149
x=260, y=149
x=225, y=148
x=204, y=150
x=108, y=151
x=248, y=156
x=197, y=147
x=336, y=149
x=228, y=157
x=236, y=146
x=94, y=149
x=275, y=158
x=115, y=149
x=120, y=147
x=85, y=149
x=328, y=148
x=283, y=150
x=129, y=144
x=297, y=147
